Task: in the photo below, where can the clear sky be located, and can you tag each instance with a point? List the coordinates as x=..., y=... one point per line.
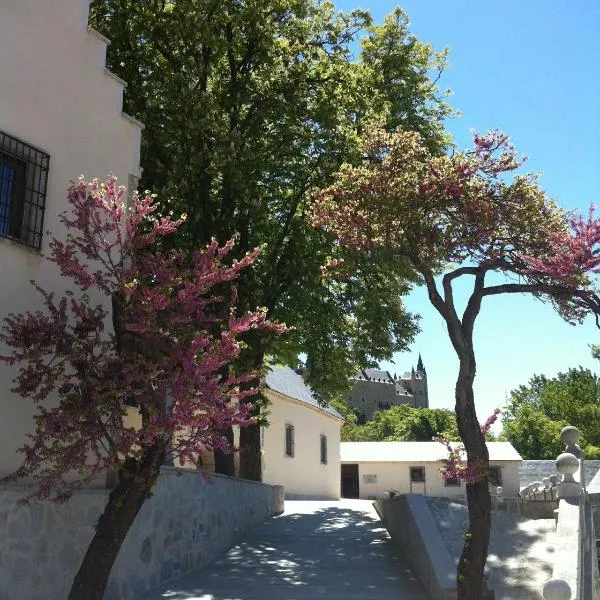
x=530, y=68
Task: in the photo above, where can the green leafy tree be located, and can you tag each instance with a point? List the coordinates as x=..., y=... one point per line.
x=536, y=413
x=250, y=106
x=405, y=424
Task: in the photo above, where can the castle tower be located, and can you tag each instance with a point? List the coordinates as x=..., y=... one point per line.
x=419, y=385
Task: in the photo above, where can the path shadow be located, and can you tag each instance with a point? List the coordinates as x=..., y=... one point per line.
x=520, y=553
x=331, y=552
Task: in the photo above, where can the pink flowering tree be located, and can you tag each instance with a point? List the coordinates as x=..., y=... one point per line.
x=461, y=216
x=165, y=350
x=453, y=466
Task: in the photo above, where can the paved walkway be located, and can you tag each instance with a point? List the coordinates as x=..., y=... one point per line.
x=314, y=551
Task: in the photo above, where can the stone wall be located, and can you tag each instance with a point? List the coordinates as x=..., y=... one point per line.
x=410, y=524
x=186, y=524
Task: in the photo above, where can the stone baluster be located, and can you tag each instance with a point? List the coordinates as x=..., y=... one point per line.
x=567, y=464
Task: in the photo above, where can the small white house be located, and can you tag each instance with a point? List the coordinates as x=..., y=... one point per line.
x=370, y=469
x=301, y=445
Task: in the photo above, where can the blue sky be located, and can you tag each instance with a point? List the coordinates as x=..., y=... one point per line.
x=531, y=69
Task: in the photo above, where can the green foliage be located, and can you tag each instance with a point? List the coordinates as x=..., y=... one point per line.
x=536, y=413
x=400, y=424
x=250, y=106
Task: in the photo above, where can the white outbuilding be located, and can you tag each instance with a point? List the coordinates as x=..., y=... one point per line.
x=301, y=445
x=370, y=469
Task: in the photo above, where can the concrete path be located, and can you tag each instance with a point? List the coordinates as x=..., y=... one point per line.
x=314, y=551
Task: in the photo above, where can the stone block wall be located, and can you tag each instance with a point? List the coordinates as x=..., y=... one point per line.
x=187, y=523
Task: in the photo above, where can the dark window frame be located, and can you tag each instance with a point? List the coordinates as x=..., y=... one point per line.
x=23, y=196
x=451, y=482
x=497, y=480
x=323, y=449
x=420, y=478
x=289, y=440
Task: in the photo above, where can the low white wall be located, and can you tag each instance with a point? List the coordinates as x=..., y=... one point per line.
x=303, y=475
x=395, y=476
x=186, y=524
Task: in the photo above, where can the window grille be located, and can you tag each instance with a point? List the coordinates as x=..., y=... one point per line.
x=289, y=441
x=417, y=474
x=323, y=449
x=495, y=476
x=23, y=182
x=452, y=482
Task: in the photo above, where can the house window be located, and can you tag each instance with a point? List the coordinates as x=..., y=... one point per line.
x=23, y=180
x=495, y=476
x=417, y=474
x=323, y=449
x=452, y=482
x=289, y=441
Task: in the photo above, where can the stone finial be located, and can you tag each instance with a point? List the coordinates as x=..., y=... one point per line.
x=554, y=480
x=567, y=465
x=570, y=436
x=546, y=483
x=556, y=589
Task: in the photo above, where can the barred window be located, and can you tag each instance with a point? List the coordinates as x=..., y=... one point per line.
x=323, y=449
x=23, y=181
x=452, y=482
x=495, y=476
x=289, y=441
x=417, y=474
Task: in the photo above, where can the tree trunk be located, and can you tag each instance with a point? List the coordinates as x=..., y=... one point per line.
x=224, y=461
x=136, y=480
x=250, y=451
x=469, y=581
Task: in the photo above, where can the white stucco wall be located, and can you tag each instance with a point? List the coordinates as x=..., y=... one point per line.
x=55, y=95
x=303, y=476
x=396, y=476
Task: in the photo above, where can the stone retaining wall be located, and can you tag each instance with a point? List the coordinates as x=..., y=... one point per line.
x=186, y=524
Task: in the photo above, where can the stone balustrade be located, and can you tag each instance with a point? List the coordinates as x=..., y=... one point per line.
x=575, y=572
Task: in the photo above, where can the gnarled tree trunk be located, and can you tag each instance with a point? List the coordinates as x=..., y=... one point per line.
x=470, y=572
x=135, y=483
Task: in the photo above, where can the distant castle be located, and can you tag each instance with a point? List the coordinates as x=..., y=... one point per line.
x=375, y=390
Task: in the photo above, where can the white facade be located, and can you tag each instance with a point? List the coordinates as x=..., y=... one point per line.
x=299, y=466
x=55, y=96
x=414, y=468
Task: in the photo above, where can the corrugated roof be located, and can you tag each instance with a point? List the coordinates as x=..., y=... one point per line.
x=355, y=452
x=287, y=382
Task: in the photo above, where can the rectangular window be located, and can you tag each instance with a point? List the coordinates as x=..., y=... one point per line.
x=289, y=441
x=367, y=478
x=323, y=449
x=452, y=482
x=495, y=476
x=23, y=181
x=417, y=474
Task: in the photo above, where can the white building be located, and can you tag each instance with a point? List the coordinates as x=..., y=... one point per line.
x=301, y=445
x=370, y=469
x=60, y=117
